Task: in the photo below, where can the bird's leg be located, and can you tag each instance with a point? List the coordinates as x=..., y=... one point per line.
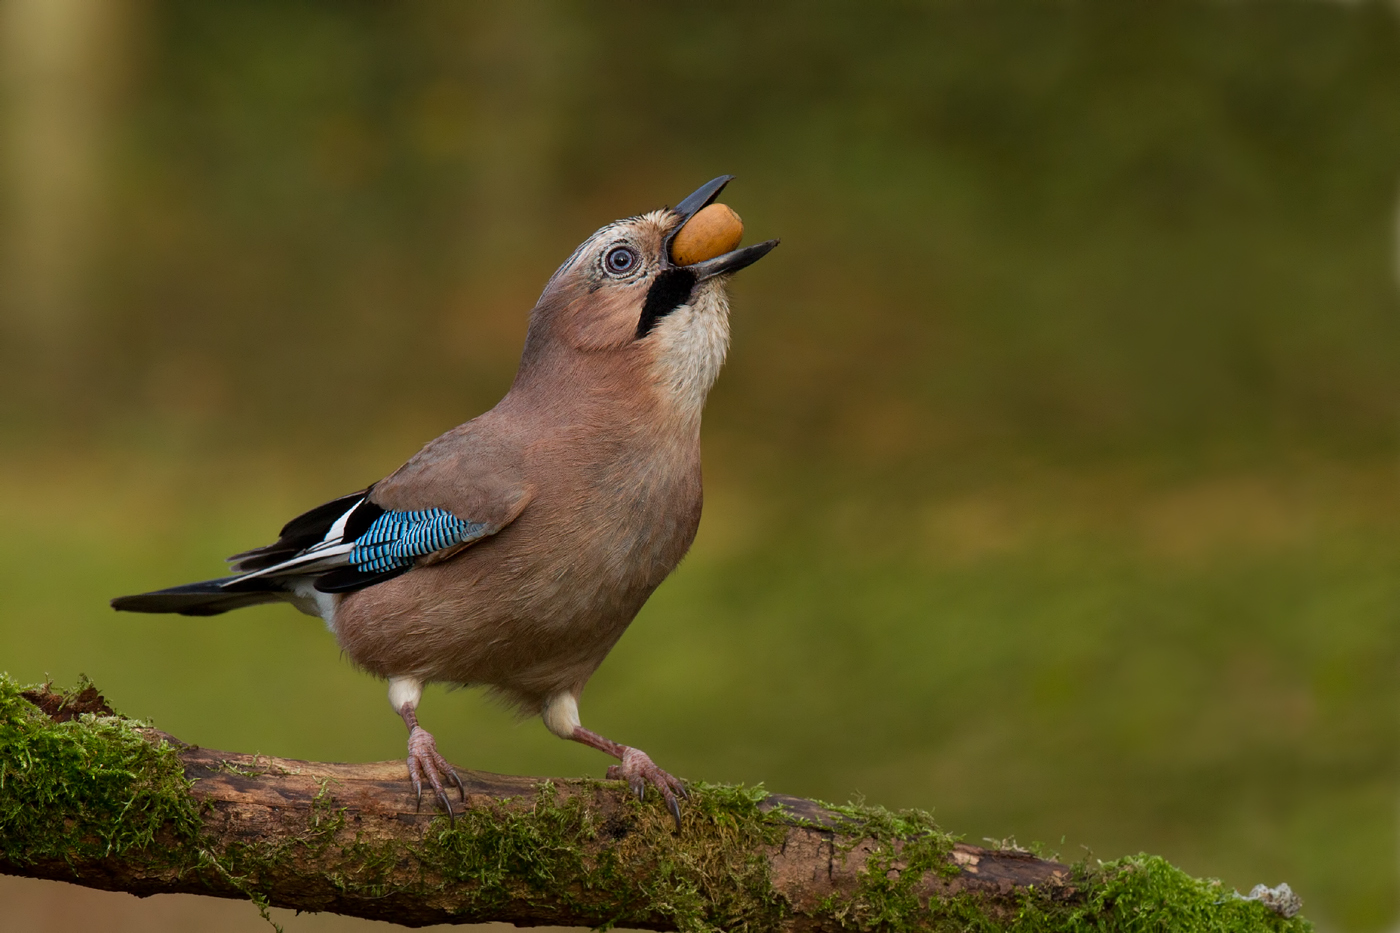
x=637, y=768
x=423, y=757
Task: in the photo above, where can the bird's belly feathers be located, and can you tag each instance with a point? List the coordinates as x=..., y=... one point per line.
x=534, y=609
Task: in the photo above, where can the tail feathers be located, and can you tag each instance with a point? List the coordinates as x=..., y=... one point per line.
x=206, y=598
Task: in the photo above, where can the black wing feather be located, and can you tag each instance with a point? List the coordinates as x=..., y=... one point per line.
x=363, y=516
x=206, y=598
x=315, y=523
x=345, y=579
x=308, y=529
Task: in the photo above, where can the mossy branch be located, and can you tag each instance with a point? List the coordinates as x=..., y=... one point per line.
x=89, y=797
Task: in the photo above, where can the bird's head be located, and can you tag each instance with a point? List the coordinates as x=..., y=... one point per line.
x=648, y=291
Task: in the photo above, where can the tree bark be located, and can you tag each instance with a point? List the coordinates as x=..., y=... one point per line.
x=77, y=782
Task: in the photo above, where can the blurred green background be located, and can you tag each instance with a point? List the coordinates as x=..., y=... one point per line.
x=1051, y=483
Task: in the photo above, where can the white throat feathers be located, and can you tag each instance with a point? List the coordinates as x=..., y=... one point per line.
x=691, y=344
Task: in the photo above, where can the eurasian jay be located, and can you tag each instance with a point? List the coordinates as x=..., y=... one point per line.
x=513, y=551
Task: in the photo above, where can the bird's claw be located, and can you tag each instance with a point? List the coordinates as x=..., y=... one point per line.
x=424, y=761
x=638, y=770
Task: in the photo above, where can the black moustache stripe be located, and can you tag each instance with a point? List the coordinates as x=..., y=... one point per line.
x=670, y=290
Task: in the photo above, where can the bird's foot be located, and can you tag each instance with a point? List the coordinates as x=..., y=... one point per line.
x=424, y=761
x=638, y=770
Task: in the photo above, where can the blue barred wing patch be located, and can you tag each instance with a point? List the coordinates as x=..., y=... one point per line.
x=396, y=539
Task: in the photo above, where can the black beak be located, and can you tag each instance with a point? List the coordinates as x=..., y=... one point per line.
x=703, y=196
x=732, y=261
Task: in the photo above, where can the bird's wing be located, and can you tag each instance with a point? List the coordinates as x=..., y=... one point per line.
x=353, y=542
x=462, y=487
x=358, y=540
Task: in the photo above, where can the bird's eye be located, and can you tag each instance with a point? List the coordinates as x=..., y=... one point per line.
x=620, y=260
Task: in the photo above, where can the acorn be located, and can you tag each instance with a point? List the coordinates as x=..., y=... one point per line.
x=713, y=231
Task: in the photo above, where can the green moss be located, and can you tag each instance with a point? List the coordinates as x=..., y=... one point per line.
x=86, y=788
x=1145, y=892
x=908, y=844
x=1138, y=894
x=715, y=876
x=501, y=852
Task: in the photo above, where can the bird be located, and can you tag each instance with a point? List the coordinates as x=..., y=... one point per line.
x=512, y=552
